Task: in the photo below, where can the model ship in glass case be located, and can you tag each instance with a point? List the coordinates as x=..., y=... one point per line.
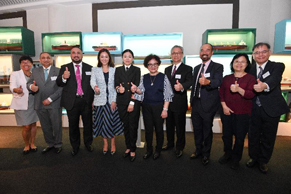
x=10, y=45
x=104, y=45
x=287, y=46
x=229, y=46
x=64, y=46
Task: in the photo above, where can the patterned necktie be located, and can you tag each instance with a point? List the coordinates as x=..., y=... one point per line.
x=259, y=77
x=45, y=74
x=198, y=87
x=174, y=71
x=78, y=77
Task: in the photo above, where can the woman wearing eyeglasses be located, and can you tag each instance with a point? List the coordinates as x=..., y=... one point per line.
x=236, y=93
x=156, y=93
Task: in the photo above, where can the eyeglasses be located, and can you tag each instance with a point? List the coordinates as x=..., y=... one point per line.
x=179, y=53
x=153, y=64
x=261, y=52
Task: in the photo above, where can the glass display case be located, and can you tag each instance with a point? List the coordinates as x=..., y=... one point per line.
x=60, y=42
x=282, y=42
x=230, y=41
x=145, y=44
x=16, y=40
x=93, y=42
x=8, y=63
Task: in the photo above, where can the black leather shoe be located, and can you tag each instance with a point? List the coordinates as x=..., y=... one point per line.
x=195, y=155
x=125, y=155
x=25, y=152
x=47, y=149
x=251, y=163
x=179, y=153
x=166, y=147
x=205, y=160
x=263, y=168
x=90, y=148
x=132, y=158
x=235, y=165
x=156, y=155
x=224, y=159
x=58, y=150
x=74, y=152
x=147, y=155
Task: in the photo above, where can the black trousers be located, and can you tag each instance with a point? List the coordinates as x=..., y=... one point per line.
x=153, y=121
x=236, y=125
x=130, y=122
x=262, y=135
x=202, y=123
x=80, y=108
x=176, y=120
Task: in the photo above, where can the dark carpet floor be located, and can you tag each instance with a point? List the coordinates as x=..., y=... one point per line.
x=94, y=173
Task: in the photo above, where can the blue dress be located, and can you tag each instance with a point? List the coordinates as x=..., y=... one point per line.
x=106, y=123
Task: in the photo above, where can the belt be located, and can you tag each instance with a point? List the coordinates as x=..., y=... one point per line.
x=79, y=96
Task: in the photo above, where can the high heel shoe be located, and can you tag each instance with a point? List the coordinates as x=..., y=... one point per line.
x=33, y=149
x=104, y=152
x=132, y=158
x=112, y=153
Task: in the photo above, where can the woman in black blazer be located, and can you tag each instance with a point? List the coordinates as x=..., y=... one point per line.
x=128, y=108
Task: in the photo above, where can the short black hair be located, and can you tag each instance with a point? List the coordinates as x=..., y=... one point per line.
x=128, y=50
x=150, y=57
x=25, y=57
x=248, y=67
x=261, y=44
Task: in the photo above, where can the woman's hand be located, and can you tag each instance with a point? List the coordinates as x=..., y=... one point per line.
x=113, y=106
x=164, y=114
x=227, y=110
x=97, y=89
x=18, y=90
x=133, y=88
x=130, y=108
x=121, y=89
x=234, y=87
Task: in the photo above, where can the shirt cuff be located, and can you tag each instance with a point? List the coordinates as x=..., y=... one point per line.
x=64, y=80
x=267, y=89
x=50, y=99
x=131, y=103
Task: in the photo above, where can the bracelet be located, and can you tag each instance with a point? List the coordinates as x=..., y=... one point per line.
x=165, y=109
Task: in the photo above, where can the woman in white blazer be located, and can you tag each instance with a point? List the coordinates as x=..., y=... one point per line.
x=106, y=121
x=23, y=103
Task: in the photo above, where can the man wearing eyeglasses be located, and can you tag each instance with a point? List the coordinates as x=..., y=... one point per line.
x=180, y=76
x=205, y=101
x=268, y=106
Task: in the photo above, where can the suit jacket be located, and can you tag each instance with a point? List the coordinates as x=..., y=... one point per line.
x=125, y=78
x=209, y=95
x=17, y=79
x=97, y=78
x=46, y=89
x=70, y=87
x=272, y=102
x=184, y=76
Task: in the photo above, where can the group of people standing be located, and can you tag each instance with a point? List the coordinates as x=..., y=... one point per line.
x=109, y=99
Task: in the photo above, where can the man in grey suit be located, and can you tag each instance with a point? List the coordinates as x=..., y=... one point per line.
x=47, y=101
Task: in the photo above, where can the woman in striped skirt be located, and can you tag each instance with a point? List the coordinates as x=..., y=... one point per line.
x=106, y=121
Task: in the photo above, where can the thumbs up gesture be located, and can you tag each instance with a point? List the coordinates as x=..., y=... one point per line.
x=234, y=87
x=178, y=86
x=203, y=81
x=18, y=90
x=66, y=73
x=121, y=89
x=260, y=86
x=133, y=88
x=34, y=87
x=97, y=89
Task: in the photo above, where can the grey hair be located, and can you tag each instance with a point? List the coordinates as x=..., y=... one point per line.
x=177, y=46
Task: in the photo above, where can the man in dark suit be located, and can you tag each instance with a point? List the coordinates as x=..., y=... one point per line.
x=77, y=98
x=47, y=100
x=207, y=78
x=268, y=106
x=180, y=76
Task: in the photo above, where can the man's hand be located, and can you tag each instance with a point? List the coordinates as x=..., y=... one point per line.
x=178, y=86
x=203, y=81
x=260, y=86
x=46, y=102
x=66, y=73
x=34, y=87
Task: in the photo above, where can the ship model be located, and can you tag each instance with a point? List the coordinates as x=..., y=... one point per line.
x=229, y=46
x=104, y=46
x=64, y=46
x=8, y=46
x=287, y=46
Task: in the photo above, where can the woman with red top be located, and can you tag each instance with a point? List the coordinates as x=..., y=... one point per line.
x=236, y=93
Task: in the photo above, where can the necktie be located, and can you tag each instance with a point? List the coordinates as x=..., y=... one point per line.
x=259, y=77
x=78, y=77
x=174, y=71
x=126, y=69
x=197, y=88
x=45, y=74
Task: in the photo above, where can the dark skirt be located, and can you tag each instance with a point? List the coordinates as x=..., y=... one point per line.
x=106, y=123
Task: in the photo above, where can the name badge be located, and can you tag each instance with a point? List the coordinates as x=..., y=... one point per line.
x=54, y=78
x=207, y=75
x=178, y=76
x=266, y=74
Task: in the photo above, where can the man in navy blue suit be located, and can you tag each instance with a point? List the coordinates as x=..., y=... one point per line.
x=268, y=106
x=207, y=78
